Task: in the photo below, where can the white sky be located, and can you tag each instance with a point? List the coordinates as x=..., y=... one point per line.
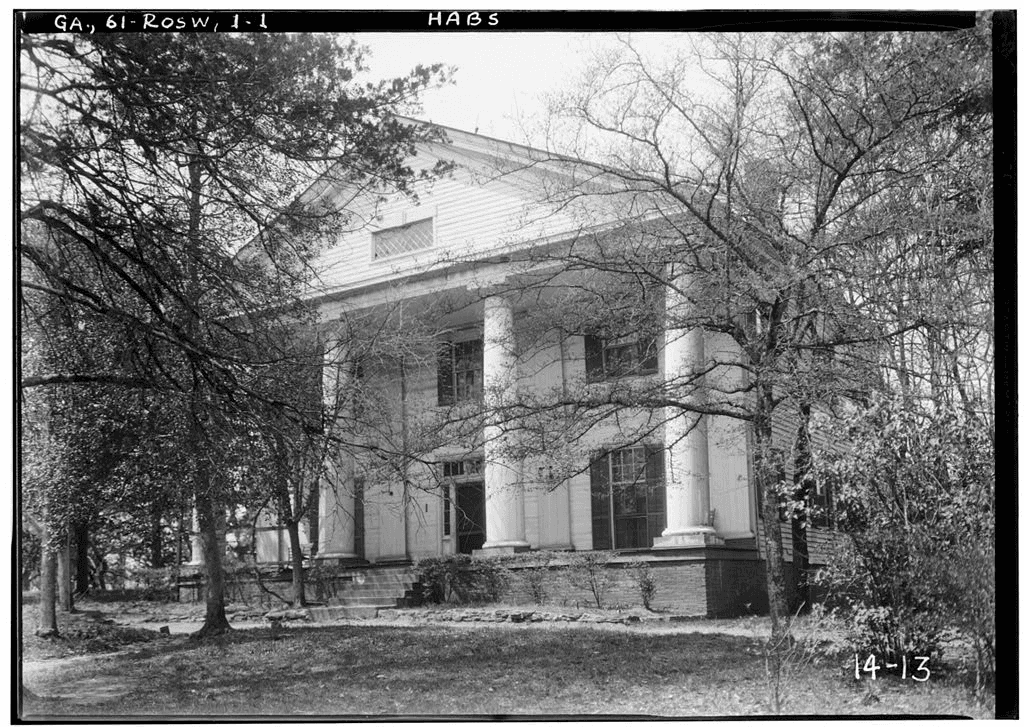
x=499, y=75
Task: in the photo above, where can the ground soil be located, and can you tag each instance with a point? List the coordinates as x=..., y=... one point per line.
x=113, y=661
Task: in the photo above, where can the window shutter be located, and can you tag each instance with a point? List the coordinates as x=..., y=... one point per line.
x=648, y=353
x=600, y=511
x=655, y=464
x=445, y=374
x=655, y=472
x=593, y=348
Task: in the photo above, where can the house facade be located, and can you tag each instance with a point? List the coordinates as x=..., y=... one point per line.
x=447, y=460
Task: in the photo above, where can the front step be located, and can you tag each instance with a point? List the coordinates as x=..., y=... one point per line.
x=322, y=614
x=379, y=601
x=366, y=590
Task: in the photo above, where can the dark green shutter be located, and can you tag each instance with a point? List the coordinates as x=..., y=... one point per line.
x=445, y=374
x=593, y=348
x=600, y=511
x=655, y=474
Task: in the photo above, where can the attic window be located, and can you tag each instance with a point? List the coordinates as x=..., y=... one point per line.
x=399, y=240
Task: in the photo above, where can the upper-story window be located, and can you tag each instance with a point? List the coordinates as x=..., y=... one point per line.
x=418, y=235
x=630, y=355
x=460, y=371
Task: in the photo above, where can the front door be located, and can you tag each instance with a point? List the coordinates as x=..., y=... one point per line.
x=470, y=516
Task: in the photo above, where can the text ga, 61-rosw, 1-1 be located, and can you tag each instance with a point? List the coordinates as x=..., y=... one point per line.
x=161, y=21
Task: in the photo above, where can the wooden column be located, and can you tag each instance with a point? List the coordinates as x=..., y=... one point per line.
x=687, y=483
x=503, y=475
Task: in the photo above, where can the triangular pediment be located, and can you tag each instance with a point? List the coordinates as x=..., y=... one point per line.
x=498, y=197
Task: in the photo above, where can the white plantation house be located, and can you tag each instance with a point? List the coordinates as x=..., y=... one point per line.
x=650, y=483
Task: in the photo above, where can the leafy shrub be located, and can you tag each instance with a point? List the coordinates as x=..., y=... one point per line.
x=643, y=578
x=536, y=574
x=31, y=553
x=459, y=578
x=589, y=570
x=98, y=637
x=914, y=495
x=151, y=584
x=325, y=581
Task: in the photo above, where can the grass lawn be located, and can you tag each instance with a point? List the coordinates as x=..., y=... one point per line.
x=480, y=670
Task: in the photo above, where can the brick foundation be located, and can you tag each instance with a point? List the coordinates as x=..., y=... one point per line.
x=272, y=590
x=708, y=582
x=703, y=582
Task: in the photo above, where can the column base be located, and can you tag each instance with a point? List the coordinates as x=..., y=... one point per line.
x=697, y=539
x=337, y=558
x=501, y=549
x=393, y=560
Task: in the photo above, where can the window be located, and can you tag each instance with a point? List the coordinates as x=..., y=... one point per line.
x=465, y=468
x=399, y=240
x=358, y=514
x=627, y=497
x=463, y=493
x=818, y=501
x=460, y=372
x=630, y=355
x=447, y=494
x=822, y=507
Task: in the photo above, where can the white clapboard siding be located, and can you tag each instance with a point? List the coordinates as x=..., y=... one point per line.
x=473, y=214
x=819, y=540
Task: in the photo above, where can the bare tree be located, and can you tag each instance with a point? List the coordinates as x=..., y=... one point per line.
x=778, y=198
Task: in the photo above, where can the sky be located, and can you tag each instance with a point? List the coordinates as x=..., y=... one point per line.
x=498, y=77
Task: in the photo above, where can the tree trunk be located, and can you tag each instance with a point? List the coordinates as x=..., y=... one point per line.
x=216, y=620
x=64, y=597
x=313, y=510
x=802, y=489
x=82, y=558
x=156, y=539
x=298, y=575
x=179, y=537
x=47, y=586
x=208, y=507
x=768, y=472
x=100, y=568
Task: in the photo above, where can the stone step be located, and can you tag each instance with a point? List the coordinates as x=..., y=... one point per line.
x=372, y=577
x=321, y=614
x=398, y=588
x=364, y=601
x=374, y=592
x=378, y=586
x=377, y=583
